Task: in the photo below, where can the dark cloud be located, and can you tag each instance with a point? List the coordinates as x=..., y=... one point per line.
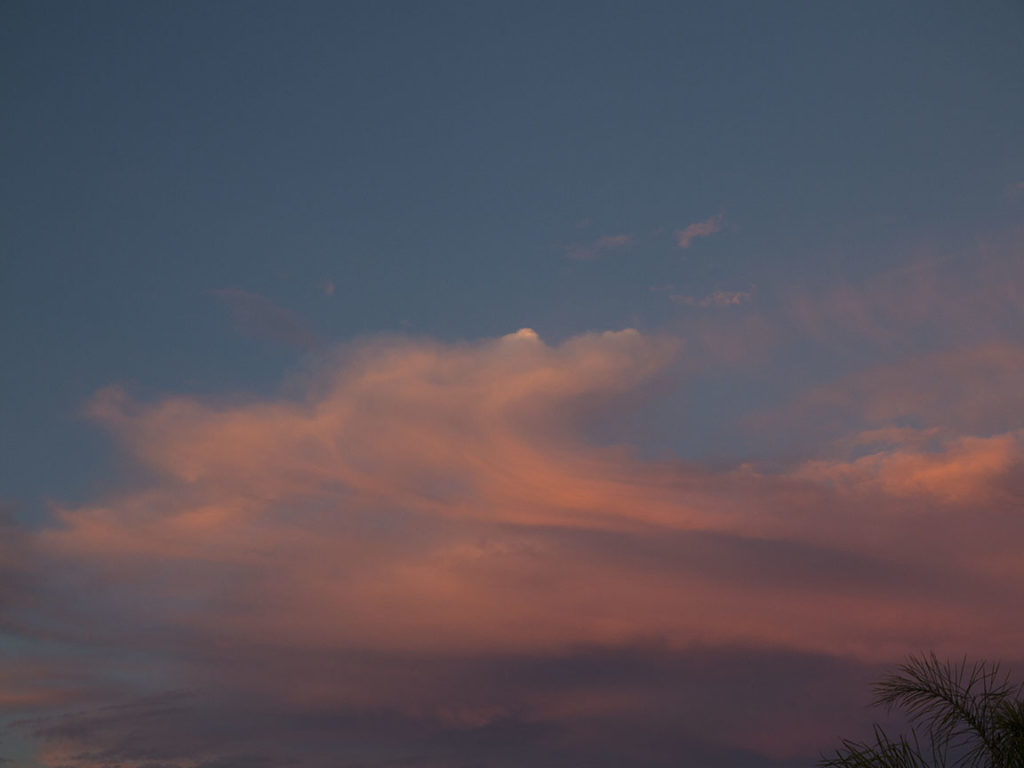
x=643, y=706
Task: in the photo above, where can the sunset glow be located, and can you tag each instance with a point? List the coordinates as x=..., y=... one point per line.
x=469, y=385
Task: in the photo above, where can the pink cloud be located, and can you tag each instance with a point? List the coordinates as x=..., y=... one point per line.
x=598, y=247
x=431, y=533
x=413, y=506
x=443, y=498
x=965, y=470
x=705, y=228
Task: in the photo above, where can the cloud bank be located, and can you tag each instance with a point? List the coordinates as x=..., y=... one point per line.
x=421, y=553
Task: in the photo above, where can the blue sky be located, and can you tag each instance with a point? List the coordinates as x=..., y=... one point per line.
x=242, y=207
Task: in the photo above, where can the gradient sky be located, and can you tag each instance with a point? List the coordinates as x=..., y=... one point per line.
x=471, y=384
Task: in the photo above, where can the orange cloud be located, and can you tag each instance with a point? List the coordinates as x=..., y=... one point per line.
x=423, y=497
x=413, y=525
x=966, y=470
x=431, y=533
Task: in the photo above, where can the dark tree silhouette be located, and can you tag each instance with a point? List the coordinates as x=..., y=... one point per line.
x=961, y=716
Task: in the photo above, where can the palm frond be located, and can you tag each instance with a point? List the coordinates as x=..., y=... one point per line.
x=883, y=753
x=967, y=715
x=1009, y=751
x=957, y=703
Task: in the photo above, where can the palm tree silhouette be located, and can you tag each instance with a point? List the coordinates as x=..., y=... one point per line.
x=961, y=716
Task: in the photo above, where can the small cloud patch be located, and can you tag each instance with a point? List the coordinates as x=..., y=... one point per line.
x=716, y=299
x=706, y=228
x=259, y=318
x=598, y=247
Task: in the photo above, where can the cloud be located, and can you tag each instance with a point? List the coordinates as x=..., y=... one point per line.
x=598, y=247
x=943, y=300
x=966, y=470
x=705, y=228
x=443, y=482
x=716, y=299
x=262, y=319
x=422, y=550
x=972, y=295
x=974, y=387
x=576, y=708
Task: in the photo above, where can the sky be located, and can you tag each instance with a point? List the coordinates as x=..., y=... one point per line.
x=483, y=385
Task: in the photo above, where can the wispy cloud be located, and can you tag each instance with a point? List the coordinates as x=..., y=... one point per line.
x=705, y=228
x=716, y=299
x=597, y=247
x=260, y=318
